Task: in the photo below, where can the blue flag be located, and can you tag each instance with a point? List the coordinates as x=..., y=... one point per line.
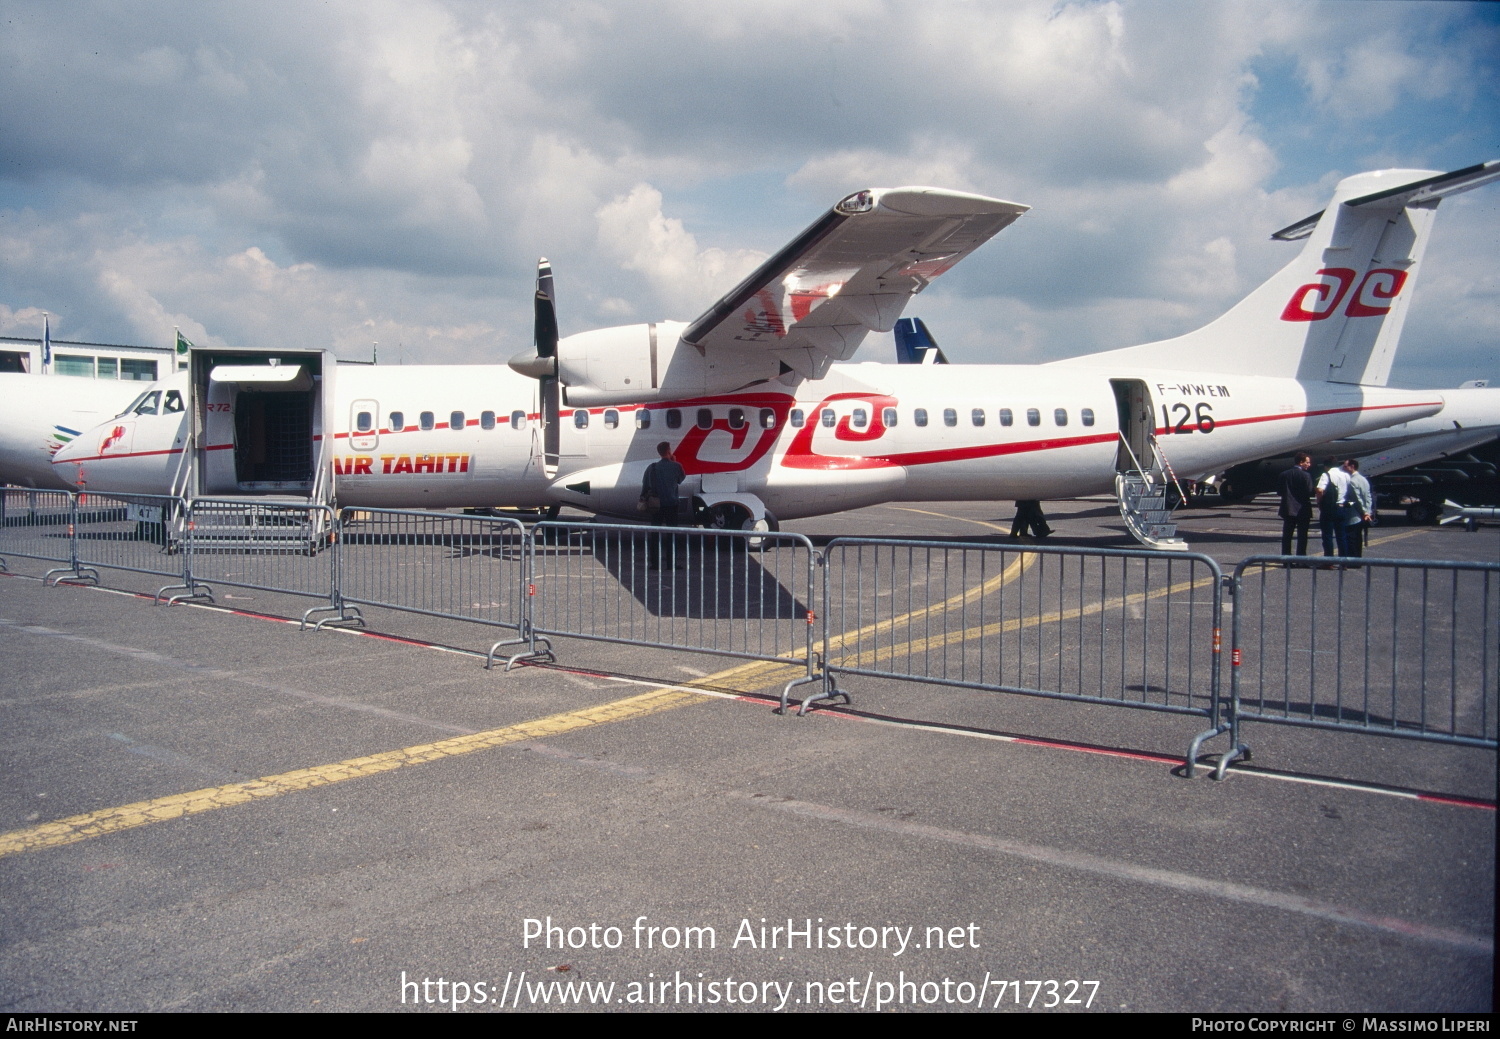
x=46, y=341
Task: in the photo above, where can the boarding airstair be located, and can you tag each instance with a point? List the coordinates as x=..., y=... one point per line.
x=1144, y=492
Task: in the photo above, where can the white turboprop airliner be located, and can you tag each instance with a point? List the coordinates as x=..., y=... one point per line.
x=767, y=425
x=39, y=414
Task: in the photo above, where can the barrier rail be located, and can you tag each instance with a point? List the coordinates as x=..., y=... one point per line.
x=726, y=592
x=1388, y=647
x=468, y=568
x=1121, y=627
x=274, y=547
x=38, y=525
x=142, y=533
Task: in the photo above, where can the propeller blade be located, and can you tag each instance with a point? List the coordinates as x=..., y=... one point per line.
x=545, y=335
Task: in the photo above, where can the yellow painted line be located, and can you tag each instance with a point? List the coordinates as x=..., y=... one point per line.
x=1398, y=537
x=175, y=806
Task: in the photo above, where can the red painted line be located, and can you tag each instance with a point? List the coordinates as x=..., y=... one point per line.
x=1461, y=802
x=1106, y=752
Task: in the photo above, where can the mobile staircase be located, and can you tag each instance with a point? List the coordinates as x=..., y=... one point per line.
x=1143, y=492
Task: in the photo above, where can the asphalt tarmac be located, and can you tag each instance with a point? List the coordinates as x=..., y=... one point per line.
x=206, y=809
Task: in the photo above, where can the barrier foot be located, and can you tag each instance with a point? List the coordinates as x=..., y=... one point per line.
x=1189, y=766
x=346, y=615
x=73, y=573
x=830, y=691
x=4, y=566
x=189, y=591
x=1240, y=753
x=532, y=653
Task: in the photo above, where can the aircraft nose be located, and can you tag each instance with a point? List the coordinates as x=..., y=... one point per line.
x=65, y=464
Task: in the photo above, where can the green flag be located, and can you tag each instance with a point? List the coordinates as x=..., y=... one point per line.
x=183, y=343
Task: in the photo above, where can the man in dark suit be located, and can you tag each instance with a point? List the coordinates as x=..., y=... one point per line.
x=1296, y=489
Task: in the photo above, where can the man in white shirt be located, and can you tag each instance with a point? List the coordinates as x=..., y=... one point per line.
x=1333, y=513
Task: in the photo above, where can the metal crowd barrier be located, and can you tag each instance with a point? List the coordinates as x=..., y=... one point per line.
x=142, y=533
x=727, y=592
x=270, y=546
x=1389, y=647
x=38, y=525
x=442, y=564
x=1128, y=628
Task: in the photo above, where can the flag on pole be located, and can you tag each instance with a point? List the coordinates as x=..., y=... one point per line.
x=46, y=340
x=183, y=343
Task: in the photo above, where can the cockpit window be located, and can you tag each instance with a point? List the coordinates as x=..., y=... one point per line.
x=173, y=404
x=148, y=403
x=130, y=409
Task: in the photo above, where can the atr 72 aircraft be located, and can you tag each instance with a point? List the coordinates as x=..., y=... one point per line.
x=767, y=425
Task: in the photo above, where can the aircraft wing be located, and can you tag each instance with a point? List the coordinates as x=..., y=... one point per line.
x=853, y=271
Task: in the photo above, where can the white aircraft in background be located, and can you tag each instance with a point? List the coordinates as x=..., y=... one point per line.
x=767, y=425
x=40, y=414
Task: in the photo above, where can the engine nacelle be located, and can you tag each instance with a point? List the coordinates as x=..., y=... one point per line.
x=651, y=362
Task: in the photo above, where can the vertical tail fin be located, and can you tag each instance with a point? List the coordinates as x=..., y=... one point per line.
x=1334, y=313
x=915, y=345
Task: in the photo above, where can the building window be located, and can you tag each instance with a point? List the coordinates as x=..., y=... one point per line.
x=137, y=371
x=796, y=418
x=518, y=420
x=109, y=367
x=674, y=418
x=1088, y=416
x=978, y=416
x=427, y=419
x=73, y=364
x=919, y=416
x=1060, y=416
x=950, y=417
x=486, y=420
x=767, y=418
x=1033, y=417
x=398, y=421
x=456, y=420
x=581, y=419
x=888, y=416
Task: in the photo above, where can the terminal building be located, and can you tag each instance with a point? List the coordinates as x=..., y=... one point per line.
x=87, y=360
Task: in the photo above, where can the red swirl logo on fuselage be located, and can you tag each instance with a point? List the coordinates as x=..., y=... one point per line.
x=691, y=449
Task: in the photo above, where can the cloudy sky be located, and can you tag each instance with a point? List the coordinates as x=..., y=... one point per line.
x=339, y=173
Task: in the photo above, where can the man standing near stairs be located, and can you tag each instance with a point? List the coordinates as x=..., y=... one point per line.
x=1296, y=489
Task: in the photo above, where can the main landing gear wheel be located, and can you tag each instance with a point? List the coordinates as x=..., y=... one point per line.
x=731, y=515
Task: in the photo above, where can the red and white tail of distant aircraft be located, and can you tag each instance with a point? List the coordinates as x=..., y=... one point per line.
x=768, y=426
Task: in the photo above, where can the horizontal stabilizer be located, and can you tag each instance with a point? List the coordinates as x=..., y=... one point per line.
x=1415, y=193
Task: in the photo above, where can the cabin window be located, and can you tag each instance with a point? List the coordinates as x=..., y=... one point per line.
x=642, y=419
x=977, y=415
x=827, y=417
x=767, y=418
x=148, y=404
x=172, y=404
x=1088, y=416
x=398, y=421
x=888, y=416
x=1060, y=416
x=1006, y=418
x=1033, y=417
x=518, y=420
x=950, y=417
x=581, y=419
x=486, y=420
x=919, y=416
x=737, y=418
x=674, y=418
x=796, y=418
x=860, y=418
x=456, y=420
x=705, y=419
x=611, y=418
x=364, y=422
x=427, y=419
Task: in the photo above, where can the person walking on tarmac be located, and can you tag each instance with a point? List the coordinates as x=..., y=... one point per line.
x=659, y=497
x=1029, y=516
x=1361, y=508
x=1296, y=489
